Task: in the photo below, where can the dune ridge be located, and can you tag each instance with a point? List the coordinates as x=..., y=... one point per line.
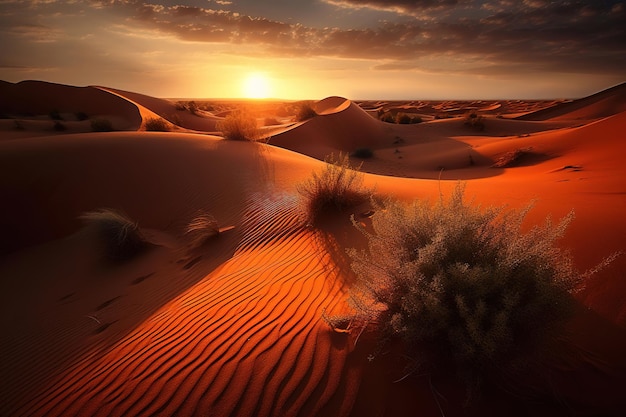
x=601, y=104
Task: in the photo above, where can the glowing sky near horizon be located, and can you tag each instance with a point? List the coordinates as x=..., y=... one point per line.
x=360, y=49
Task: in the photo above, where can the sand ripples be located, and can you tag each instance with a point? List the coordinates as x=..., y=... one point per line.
x=245, y=340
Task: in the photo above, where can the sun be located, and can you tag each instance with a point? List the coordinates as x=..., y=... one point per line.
x=256, y=85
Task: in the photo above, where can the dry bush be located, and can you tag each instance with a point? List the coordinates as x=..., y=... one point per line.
x=157, y=124
x=101, y=125
x=239, y=125
x=58, y=126
x=511, y=158
x=336, y=187
x=362, y=153
x=463, y=285
x=475, y=120
x=121, y=237
x=200, y=229
x=305, y=111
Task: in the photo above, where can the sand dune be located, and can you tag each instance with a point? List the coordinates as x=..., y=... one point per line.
x=40, y=98
x=340, y=125
x=602, y=104
x=167, y=110
x=234, y=326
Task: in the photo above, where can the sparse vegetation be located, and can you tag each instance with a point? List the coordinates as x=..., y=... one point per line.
x=463, y=286
x=387, y=118
x=475, y=120
x=363, y=153
x=511, y=158
x=239, y=125
x=157, y=124
x=81, y=115
x=58, y=126
x=399, y=118
x=336, y=187
x=101, y=125
x=55, y=115
x=270, y=121
x=199, y=230
x=121, y=237
x=405, y=119
x=305, y=111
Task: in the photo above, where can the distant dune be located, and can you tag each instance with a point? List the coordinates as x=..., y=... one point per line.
x=233, y=326
x=603, y=104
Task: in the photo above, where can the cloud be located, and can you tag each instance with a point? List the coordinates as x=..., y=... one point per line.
x=490, y=36
x=399, y=6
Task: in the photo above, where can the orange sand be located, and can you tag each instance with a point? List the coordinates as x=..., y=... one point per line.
x=234, y=327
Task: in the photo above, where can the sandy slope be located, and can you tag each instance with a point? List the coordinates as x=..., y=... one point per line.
x=234, y=327
x=167, y=110
x=602, y=104
x=39, y=98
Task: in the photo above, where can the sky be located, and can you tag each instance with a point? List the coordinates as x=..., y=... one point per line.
x=311, y=49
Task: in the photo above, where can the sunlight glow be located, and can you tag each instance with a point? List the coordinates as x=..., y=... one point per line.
x=256, y=86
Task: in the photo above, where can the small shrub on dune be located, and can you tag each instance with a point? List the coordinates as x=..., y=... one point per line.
x=475, y=121
x=81, y=116
x=387, y=118
x=55, y=115
x=362, y=153
x=463, y=286
x=199, y=230
x=121, y=237
x=157, y=124
x=270, y=121
x=101, y=125
x=336, y=187
x=305, y=111
x=239, y=126
x=403, y=119
x=59, y=127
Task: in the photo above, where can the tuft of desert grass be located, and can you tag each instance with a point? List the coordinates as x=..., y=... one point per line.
x=122, y=238
x=200, y=229
x=337, y=186
x=239, y=126
x=463, y=285
x=305, y=111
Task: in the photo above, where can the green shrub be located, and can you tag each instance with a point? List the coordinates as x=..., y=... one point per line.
x=239, y=125
x=336, y=187
x=157, y=124
x=305, y=111
x=101, y=125
x=121, y=237
x=462, y=285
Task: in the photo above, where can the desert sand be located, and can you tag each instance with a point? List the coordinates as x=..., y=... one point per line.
x=234, y=327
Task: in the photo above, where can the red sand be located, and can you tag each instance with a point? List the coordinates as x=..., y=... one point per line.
x=234, y=327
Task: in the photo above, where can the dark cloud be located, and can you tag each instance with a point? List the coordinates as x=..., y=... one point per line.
x=492, y=36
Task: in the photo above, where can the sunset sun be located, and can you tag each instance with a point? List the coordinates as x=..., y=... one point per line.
x=256, y=86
